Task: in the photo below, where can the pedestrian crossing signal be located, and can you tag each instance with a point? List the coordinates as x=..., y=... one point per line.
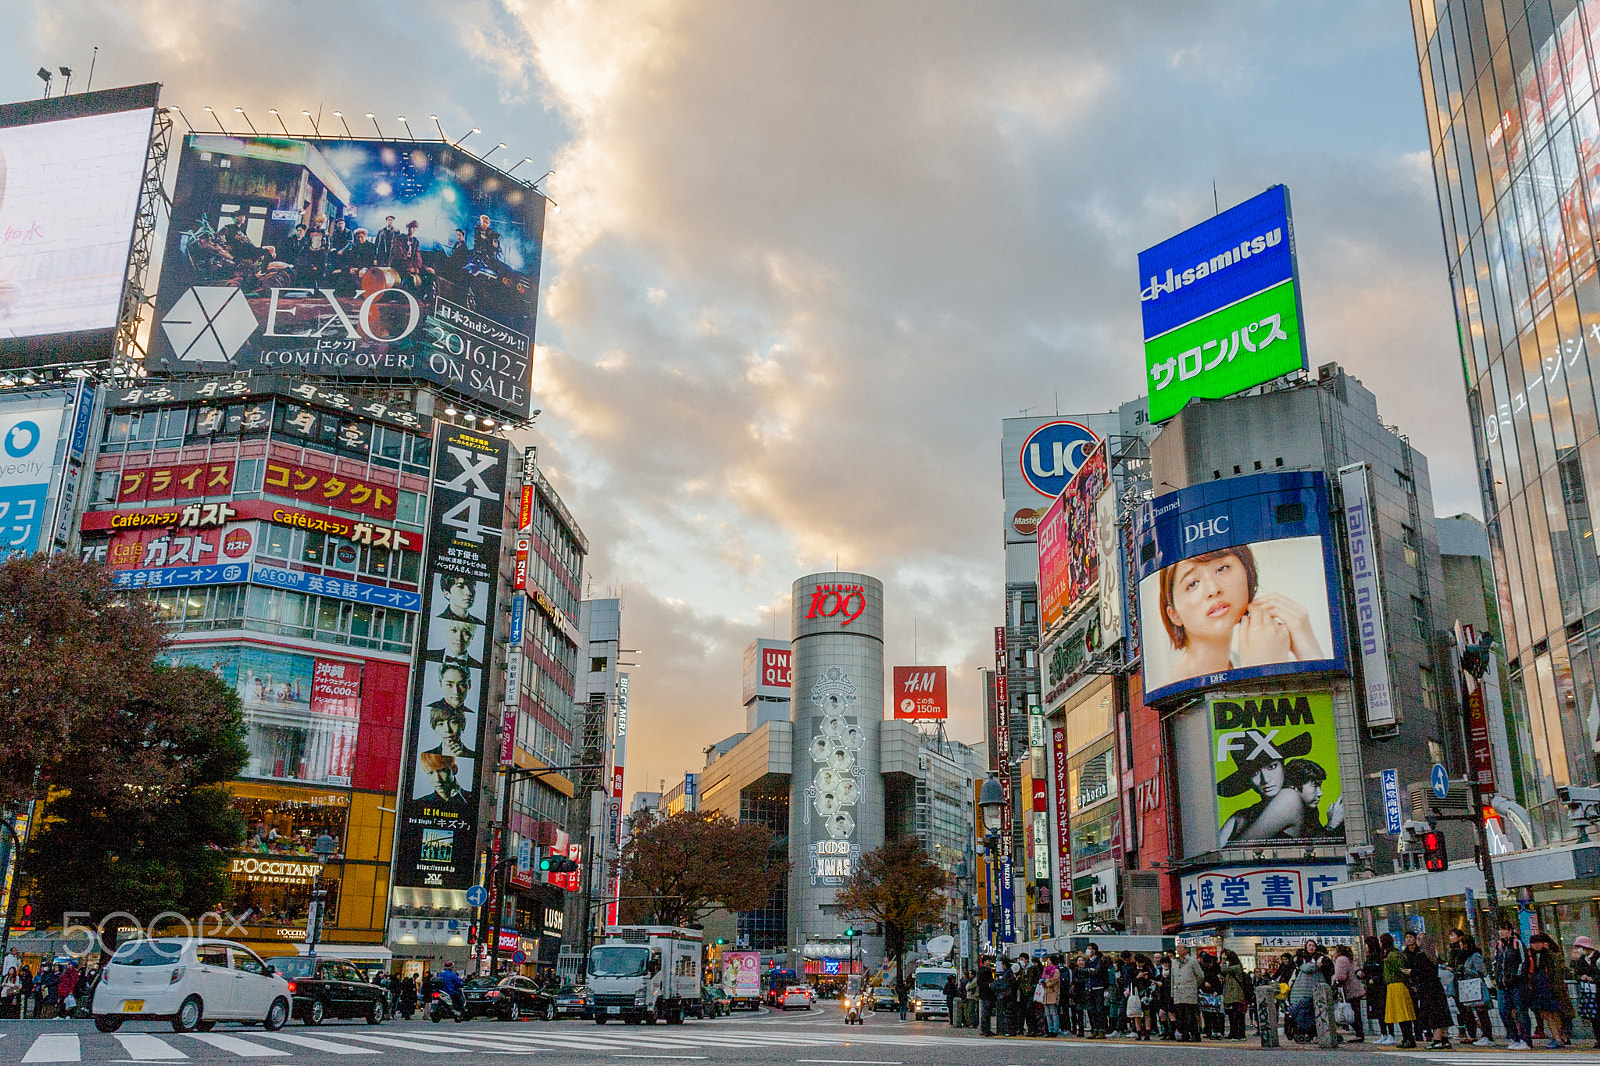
x=1433, y=853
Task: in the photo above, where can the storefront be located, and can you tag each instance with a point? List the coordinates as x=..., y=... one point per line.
x=1256, y=910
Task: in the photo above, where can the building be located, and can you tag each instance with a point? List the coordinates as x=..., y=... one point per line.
x=1508, y=92
x=601, y=701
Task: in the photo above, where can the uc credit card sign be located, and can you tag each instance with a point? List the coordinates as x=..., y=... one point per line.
x=1220, y=304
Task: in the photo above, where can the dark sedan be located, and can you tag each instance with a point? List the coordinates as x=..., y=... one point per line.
x=331, y=988
x=508, y=998
x=577, y=1002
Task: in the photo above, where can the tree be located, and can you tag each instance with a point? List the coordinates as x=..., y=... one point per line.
x=901, y=887
x=128, y=752
x=679, y=868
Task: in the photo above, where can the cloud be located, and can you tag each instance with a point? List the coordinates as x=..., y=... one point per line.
x=809, y=255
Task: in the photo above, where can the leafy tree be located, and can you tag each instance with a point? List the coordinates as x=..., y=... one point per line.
x=899, y=886
x=128, y=752
x=679, y=868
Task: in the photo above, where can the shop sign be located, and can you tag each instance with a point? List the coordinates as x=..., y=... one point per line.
x=519, y=576
x=213, y=515
x=1480, y=751
x=1263, y=893
x=177, y=481
x=276, y=871
x=510, y=939
x=1058, y=772
x=1070, y=657
x=290, y=934
x=525, y=509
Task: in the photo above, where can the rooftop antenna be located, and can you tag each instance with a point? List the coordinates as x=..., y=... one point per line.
x=1216, y=205
x=92, y=57
x=915, y=661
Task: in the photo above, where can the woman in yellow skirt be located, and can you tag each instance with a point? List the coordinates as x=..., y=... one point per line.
x=1398, y=1008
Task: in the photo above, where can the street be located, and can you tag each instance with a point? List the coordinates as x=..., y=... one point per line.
x=806, y=1038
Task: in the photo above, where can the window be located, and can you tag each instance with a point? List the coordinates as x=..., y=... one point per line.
x=1419, y=615
x=409, y=508
x=1430, y=689
x=597, y=665
x=247, y=475
x=1412, y=545
x=105, y=487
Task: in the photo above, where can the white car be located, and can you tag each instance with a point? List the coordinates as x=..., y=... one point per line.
x=191, y=982
x=795, y=996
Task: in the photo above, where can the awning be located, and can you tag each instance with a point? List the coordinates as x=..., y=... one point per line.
x=1409, y=887
x=375, y=952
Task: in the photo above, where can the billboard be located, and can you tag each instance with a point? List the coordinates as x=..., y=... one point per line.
x=1366, y=589
x=1221, y=305
x=391, y=260
x=741, y=974
x=1236, y=581
x=1276, y=768
x=1274, y=893
x=29, y=430
x=71, y=173
x=766, y=669
x=920, y=692
x=1038, y=456
x=450, y=702
x=301, y=713
x=1069, y=548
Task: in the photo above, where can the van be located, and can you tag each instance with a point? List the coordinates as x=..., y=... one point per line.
x=927, y=991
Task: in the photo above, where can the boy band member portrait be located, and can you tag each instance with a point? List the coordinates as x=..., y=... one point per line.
x=1212, y=600
x=447, y=793
x=459, y=593
x=1290, y=788
x=448, y=715
x=460, y=642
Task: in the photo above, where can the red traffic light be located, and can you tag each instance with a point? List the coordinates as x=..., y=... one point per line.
x=1433, y=853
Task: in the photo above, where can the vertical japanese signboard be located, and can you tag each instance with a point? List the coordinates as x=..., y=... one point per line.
x=450, y=701
x=1058, y=776
x=618, y=760
x=1365, y=583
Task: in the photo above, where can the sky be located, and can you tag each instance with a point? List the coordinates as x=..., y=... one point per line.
x=809, y=255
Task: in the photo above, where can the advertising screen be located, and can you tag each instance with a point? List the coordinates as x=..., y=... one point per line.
x=920, y=692
x=71, y=171
x=451, y=702
x=359, y=259
x=1277, y=768
x=766, y=669
x=1221, y=305
x=1234, y=582
x=1069, y=549
x=29, y=431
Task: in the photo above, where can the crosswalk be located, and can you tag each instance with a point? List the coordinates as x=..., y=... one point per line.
x=688, y=1042
x=1499, y=1057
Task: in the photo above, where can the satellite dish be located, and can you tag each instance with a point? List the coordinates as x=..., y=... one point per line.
x=940, y=946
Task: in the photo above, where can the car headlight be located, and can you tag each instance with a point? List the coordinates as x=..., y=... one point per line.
x=638, y=998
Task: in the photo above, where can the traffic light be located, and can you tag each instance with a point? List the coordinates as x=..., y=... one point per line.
x=1433, y=853
x=852, y=932
x=557, y=864
x=721, y=940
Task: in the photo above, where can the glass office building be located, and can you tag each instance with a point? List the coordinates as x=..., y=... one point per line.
x=1514, y=129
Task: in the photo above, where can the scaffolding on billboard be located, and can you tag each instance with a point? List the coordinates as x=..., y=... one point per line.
x=127, y=350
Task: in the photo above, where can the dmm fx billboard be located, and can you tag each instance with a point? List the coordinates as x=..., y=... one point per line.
x=1235, y=581
x=1221, y=305
x=29, y=430
x=1276, y=763
x=359, y=259
x=450, y=702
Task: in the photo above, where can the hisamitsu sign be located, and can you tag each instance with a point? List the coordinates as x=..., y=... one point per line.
x=1221, y=305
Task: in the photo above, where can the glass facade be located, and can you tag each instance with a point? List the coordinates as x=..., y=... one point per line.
x=1514, y=129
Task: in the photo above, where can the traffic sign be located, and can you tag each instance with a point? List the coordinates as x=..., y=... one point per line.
x=519, y=956
x=477, y=896
x=1441, y=781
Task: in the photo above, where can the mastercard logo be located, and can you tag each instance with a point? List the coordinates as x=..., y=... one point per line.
x=1026, y=521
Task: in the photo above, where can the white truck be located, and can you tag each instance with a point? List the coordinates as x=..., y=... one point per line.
x=646, y=973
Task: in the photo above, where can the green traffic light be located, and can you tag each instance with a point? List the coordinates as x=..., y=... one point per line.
x=544, y=865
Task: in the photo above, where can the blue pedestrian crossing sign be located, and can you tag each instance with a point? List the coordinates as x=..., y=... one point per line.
x=1441, y=781
x=477, y=896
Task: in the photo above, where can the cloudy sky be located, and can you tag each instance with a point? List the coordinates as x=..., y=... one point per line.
x=810, y=254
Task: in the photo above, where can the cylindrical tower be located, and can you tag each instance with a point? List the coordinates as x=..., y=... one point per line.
x=836, y=782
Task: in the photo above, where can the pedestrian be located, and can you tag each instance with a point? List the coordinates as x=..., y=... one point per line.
x=1427, y=988
x=1032, y=996
x=1586, y=970
x=25, y=975
x=1139, y=1001
x=1547, y=989
x=1377, y=992
x=986, y=996
x=1001, y=987
x=1511, y=981
x=1471, y=991
x=952, y=997
x=1347, y=984
x=1400, y=1009
x=1231, y=974
x=408, y=996
x=1050, y=981
x=1094, y=986
x=1186, y=975
x=66, y=989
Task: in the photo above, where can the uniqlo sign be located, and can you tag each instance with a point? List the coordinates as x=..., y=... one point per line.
x=919, y=692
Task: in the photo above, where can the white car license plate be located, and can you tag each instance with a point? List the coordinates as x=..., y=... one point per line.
x=132, y=1006
x=613, y=1010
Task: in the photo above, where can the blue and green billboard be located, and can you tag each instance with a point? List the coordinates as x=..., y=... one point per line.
x=1221, y=305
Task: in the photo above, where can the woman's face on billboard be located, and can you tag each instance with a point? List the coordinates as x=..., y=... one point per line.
x=1268, y=779
x=1209, y=598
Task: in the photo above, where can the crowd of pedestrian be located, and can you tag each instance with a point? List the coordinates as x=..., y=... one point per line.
x=1400, y=993
x=53, y=991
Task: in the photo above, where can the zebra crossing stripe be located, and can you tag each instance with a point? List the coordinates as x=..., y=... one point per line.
x=142, y=1047
x=55, y=1047
x=319, y=1045
x=235, y=1045
x=390, y=1041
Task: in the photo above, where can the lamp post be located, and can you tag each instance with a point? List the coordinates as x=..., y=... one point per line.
x=325, y=847
x=992, y=805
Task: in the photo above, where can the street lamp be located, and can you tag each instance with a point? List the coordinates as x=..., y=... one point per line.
x=992, y=802
x=325, y=847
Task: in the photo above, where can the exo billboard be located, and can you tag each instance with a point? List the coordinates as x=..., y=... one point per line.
x=356, y=259
x=1236, y=581
x=71, y=172
x=920, y=692
x=1069, y=548
x=1221, y=305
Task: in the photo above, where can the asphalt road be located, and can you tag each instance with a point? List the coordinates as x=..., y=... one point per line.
x=804, y=1038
